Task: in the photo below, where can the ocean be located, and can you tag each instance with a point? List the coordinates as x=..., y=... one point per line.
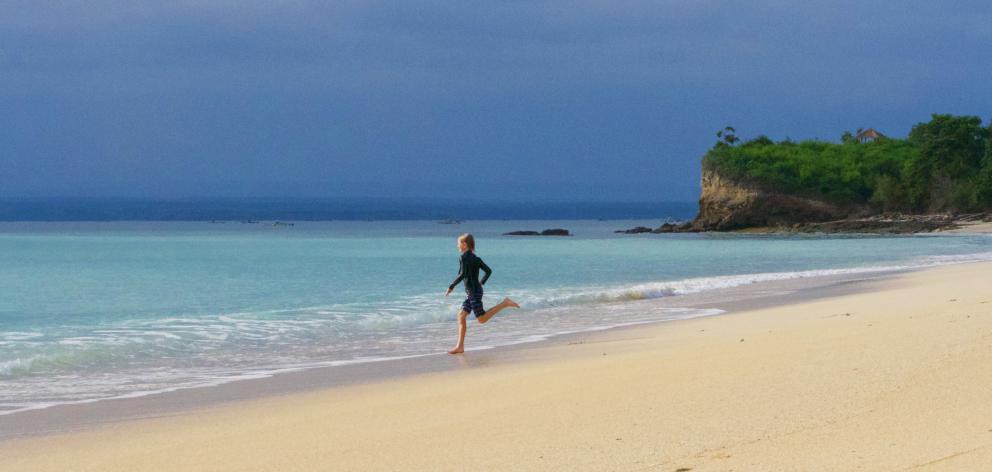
x=97, y=310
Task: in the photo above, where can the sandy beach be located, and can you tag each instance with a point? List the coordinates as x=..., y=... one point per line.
x=895, y=377
x=972, y=227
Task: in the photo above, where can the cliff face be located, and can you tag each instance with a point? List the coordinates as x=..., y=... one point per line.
x=726, y=205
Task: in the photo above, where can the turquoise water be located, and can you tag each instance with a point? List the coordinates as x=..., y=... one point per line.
x=101, y=310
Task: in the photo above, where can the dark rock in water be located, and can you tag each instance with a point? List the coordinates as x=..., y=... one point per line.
x=634, y=230
x=547, y=232
x=667, y=228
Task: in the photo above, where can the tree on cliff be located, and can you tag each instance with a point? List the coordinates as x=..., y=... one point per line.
x=945, y=174
x=953, y=145
x=983, y=193
x=728, y=136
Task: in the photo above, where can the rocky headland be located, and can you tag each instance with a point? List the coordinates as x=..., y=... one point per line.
x=732, y=205
x=937, y=178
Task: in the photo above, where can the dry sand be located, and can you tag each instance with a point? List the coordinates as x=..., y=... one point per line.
x=972, y=227
x=896, y=378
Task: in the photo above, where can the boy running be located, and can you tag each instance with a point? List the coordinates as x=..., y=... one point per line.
x=468, y=271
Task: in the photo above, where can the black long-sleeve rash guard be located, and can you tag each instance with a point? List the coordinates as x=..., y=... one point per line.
x=468, y=270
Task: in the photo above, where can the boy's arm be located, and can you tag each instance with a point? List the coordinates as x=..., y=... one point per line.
x=487, y=270
x=461, y=274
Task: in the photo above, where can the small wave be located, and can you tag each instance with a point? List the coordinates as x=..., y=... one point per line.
x=64, y=358
x=14, y=367
x=20, y=335
x=651, y=290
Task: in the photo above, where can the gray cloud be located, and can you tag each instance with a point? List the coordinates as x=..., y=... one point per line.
x=99, y=92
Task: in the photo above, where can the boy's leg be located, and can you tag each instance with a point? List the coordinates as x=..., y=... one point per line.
x=460, y=347
x=506, y=303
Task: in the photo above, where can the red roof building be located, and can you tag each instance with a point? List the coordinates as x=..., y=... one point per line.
x=868, y=135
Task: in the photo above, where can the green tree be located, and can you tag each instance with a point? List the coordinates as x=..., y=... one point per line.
x=951, y=145
x=888, y=194
x=988, y=147
x=728, y=136
x=761, y=140
x=983, y=181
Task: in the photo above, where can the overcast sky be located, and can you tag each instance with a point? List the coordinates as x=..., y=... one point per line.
x=611, y=100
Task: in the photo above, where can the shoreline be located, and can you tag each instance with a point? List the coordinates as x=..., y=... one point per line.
x=86, y=414
x=886, y=374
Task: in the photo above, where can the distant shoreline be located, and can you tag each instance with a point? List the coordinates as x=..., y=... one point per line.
x=327, y=209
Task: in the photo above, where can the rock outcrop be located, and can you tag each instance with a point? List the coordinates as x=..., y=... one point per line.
x=664, y=228
x=881, y=224
x=634, y=230
x=727, y=204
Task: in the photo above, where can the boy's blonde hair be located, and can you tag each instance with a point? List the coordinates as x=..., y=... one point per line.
x=469, y=240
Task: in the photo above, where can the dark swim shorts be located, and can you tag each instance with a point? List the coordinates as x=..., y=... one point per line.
x=473, y=303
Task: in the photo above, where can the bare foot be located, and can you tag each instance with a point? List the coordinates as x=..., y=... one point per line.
x=510, y=303
x=457, y=350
